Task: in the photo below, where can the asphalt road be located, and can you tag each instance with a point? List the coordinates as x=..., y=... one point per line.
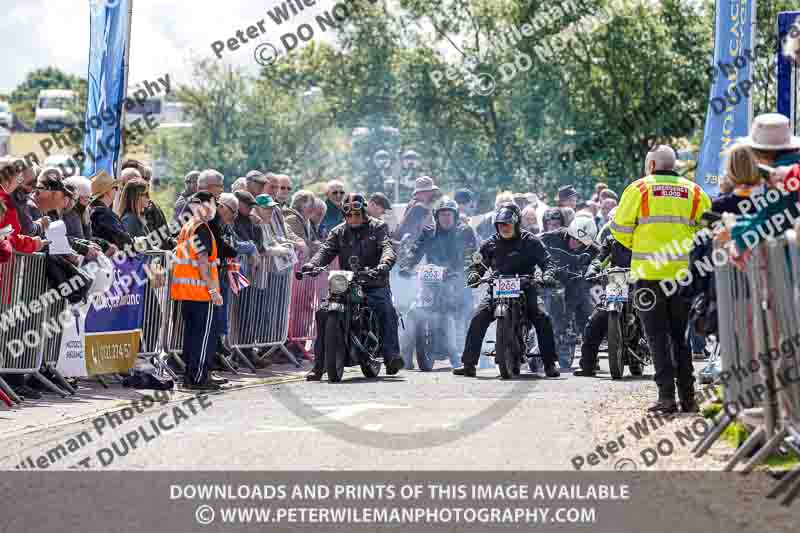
x=414, y=420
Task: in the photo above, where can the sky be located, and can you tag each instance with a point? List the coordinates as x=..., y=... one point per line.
x=166, y=34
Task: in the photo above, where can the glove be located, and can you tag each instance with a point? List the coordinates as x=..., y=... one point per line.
x=473, y=279
x=381, y=270
x=308, y=267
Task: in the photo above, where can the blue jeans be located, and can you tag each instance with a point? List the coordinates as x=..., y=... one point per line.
x=380, y=300
x=221, y=312
x=697, y=343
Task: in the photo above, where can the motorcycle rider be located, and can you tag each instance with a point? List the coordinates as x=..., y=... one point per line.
x=449, y=243
x=511, y=251
x=367, y=239
x=569, y=248
x=597, y=328
x=552, y=219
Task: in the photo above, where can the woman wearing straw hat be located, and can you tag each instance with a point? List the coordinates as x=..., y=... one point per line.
x=772, y=143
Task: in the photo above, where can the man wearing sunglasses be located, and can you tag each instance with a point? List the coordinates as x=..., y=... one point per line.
x=367, y=239
x=333, y=202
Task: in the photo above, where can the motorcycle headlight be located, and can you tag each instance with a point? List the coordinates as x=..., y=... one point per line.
x=338, y=283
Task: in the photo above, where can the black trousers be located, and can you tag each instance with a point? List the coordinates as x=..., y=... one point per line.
x=594, y=333
x=200, y=332
x=665, y=326
x=484, y=316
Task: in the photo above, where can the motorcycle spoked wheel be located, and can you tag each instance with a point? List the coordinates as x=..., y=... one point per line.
x=616, y=345
x=424, y=344
x=335, y=347
x=506, y=348
x=637, y=365
x=370, y=364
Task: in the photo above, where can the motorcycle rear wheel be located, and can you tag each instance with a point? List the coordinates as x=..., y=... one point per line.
x=616, y=345
x=335, y=348
x=371, y=365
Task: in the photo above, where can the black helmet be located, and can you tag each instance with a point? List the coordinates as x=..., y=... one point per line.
x=508, y=213
x=355, y=201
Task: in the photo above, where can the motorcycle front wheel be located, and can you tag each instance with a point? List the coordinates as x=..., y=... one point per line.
x=335, y=347
x=616, y=345
x=505, y=356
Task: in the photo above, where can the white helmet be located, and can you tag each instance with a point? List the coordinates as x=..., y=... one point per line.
x=582, y=228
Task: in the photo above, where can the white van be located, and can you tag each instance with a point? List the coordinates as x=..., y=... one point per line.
x=54, y=110
x=166, y=114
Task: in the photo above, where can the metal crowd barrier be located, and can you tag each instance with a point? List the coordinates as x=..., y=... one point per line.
x=259, y=314
x=23, y=282
x=759, y=322
x=307, y=294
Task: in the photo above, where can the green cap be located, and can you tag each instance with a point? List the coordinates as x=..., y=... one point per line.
x=265, y=200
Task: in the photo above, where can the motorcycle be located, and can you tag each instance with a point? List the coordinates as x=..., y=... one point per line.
x=352, y=335
x=570, y=337
x=436, y=303
x=508, y=302
x=627, y=345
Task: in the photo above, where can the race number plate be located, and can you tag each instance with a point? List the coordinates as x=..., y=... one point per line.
x=617, y=292
x=431, y=274
x=507, y=288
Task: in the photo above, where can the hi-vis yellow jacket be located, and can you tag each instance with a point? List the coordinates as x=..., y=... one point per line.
x=657, y=219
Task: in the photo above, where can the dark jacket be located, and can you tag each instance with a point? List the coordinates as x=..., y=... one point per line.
x=333, y=217
x=730, y=203
x=225, y=249
x=134, y=225
x=20, y=198
x=557, y=241
x=107, y=225
x=515, y=256
x=452, y=248
x=248, y=231
x=416, y=217
x=156, y=219
x=370, y=243
x=74, y=223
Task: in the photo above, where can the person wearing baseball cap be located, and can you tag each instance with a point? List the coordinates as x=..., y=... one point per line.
x=466, y=204
x=567, y=197
x=366, y=239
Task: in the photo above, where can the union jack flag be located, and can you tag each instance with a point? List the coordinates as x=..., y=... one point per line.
x=236, y=279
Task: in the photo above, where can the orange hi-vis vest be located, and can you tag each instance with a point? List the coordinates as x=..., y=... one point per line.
x=186, y=281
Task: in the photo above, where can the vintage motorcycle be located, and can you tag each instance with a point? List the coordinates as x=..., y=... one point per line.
x=556, y=305
x=352, y=335
x=508, y=303
x=433, y=312
x=627, y=345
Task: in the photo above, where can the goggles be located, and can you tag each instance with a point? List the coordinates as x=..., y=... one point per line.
x=357, y=206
